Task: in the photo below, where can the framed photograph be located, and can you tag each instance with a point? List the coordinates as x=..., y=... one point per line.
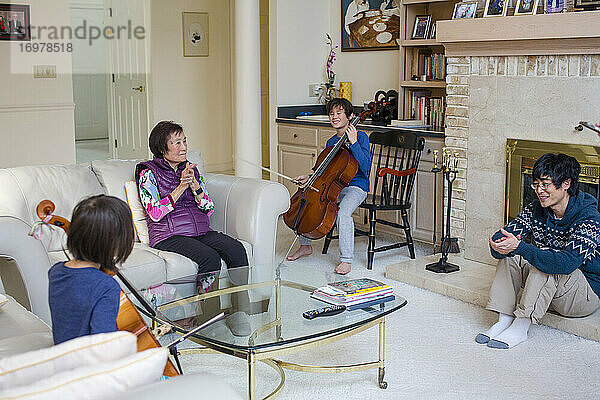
x=526, y=7
x=432, y=31
x=587, y=4
x=553, y=6
x=195, y=34
x=466, y=9
x=15, y=22
x=421, y=28
x=496, y=8
x=370, y=24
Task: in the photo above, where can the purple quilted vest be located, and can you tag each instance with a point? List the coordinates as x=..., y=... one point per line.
x=186, y=219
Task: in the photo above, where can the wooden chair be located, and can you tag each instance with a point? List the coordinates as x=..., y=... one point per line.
x=397, y=155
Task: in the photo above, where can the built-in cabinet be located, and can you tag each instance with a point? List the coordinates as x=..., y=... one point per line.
x=300, y=145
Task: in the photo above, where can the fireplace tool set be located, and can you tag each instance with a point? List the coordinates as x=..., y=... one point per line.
x=449, y=169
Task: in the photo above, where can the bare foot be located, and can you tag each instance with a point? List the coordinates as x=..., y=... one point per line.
x=343, y=268
x=304, y=250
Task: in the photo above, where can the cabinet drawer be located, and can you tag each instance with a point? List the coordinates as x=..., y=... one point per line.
x=298, y=136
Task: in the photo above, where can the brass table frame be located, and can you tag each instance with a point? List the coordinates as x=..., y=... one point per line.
x=269, y=355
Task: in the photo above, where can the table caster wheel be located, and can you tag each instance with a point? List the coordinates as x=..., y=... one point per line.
x=383, y=385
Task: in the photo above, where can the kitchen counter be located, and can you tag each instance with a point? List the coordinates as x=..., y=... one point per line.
x=365, y=126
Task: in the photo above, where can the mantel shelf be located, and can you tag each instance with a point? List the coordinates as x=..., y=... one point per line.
x=543, y=34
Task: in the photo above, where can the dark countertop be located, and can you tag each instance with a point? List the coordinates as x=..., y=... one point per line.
x=425, y=132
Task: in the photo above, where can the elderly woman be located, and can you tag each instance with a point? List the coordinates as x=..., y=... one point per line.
x=178, y=208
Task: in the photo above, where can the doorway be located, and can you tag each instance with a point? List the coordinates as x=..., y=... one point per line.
x=90, y=84
x=110, y=80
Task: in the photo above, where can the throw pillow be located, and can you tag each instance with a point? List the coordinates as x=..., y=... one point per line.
x=3, y=299
x=99, y=381
x=138, y=212
x=26, y=368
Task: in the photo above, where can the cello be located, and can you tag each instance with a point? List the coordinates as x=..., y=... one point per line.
x=312, y=213
x=128, y=318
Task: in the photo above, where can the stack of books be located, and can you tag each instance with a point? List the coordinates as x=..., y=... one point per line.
x=355, y=293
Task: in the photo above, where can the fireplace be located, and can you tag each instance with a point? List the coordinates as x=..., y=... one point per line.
x=522, y=154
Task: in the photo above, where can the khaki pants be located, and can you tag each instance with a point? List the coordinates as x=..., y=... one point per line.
x=569, y=295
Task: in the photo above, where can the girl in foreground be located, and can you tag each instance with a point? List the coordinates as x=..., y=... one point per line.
x=83, y=297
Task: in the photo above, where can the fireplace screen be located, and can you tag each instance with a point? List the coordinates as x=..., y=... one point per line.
x=522, y=154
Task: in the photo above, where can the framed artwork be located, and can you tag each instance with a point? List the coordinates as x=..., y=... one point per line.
x=370, y=24
x=195, y=34
x=432, y=31
x=553, y=6
x=495, y=8
x=15, y=22
x=421, y=28
x=466, y=9
x=526, y=7
x=587, y=4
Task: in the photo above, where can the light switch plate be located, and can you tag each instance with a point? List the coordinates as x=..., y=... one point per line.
x=44, y=71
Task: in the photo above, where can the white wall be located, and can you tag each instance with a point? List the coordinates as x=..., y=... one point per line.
x=302, y=54
x=196, y=91
x=36, y=115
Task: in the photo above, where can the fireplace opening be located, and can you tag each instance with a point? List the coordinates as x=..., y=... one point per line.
x=520, y=158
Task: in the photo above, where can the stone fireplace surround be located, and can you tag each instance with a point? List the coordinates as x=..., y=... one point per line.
x=530, y=77
x=523, y=77
x=493, y=98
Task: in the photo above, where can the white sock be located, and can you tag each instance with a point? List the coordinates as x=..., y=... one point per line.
x=513, y=335
x=504, y=322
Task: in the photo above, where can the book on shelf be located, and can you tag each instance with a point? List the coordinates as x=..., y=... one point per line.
x=432, y=65
x=408, y=123
x=354, y=292
x=430, y=109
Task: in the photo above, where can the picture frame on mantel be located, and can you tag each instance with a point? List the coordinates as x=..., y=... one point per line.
x=466, y=9
x=421, y=27
x=15, y=22
x=496, y=8
x=526, y=7
x=370, y=24
x=586, y=5
x=554, y=6
x=195, y=34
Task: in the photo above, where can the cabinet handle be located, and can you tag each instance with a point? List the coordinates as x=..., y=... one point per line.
x=313, y=154
x=295, y=135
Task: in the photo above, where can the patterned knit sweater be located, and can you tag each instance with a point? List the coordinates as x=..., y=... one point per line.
x=560, y=246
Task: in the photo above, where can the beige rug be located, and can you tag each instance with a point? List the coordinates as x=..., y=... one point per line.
x=431, y=352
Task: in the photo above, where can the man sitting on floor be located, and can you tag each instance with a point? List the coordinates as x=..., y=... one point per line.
x=560, y=269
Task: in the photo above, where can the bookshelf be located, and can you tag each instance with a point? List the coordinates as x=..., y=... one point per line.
x=414, y=52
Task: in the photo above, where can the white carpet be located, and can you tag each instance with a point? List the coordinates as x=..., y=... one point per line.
x=430, y=351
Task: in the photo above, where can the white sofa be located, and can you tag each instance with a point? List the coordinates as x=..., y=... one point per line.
x=246, y=209
x=21, y=332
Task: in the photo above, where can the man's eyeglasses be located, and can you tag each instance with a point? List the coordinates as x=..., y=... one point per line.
x=542, y=185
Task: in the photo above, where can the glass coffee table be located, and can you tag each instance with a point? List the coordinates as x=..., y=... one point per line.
x=274, y=299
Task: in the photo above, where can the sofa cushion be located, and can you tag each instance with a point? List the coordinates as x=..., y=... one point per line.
x=24, y=187
x=137, y=211
x=27, y=368
x=21, y=330
x=144, y=268
x=113, y=174
x=99, y=381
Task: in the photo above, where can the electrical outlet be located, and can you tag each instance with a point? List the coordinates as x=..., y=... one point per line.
x=44, y=71
x=313, y=90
